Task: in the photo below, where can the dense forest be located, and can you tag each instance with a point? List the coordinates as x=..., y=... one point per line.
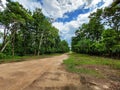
x=101, y=35
x=28, y=33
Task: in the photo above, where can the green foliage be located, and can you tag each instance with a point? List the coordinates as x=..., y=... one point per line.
x=109, y=39
x=8, y=58
x=63, y=47
x=1, y=34
x=28, y=33
x=112, y=16
x=116, y=50
x=2, y=55
x=78, y=63
x=98, y=48
x=83, y=46
x=92, y=38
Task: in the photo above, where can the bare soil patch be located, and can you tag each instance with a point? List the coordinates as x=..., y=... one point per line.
x=43, y=74
x=110, y=79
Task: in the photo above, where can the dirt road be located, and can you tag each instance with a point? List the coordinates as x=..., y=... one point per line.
x=43, y=74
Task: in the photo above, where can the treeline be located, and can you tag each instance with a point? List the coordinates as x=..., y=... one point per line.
x=101, y=36
x=28, y=33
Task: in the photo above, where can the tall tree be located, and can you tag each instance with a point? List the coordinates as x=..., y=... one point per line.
x=40, y=28
x=95, y=27
x=12, y=17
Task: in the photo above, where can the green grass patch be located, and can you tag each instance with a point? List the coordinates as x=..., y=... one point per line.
x=81, y=60
x=8, y=59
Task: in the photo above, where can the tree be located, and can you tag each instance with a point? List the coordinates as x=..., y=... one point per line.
x=95, y=27
x=109, y=39
x=40, y=26
x=93, y=38
x=12, y=17
x=83, y=46
x=112, y=16
x=63, y=46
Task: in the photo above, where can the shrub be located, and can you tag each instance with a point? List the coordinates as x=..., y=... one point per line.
x=83, y=46
x=98, y=48
x=116, y=50
x=2, y=56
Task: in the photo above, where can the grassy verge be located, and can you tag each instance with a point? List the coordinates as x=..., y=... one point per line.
x=25, y=58
x=80, y=63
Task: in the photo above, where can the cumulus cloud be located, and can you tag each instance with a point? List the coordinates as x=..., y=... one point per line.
x=29, y=4
x=68, y=29
x=57, y=8
x=107, y=3
x=3, y=2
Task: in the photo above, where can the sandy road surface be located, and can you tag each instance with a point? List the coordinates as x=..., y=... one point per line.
x=43, y=74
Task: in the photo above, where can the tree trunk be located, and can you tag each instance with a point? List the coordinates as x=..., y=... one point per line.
x=13, y=46
x=5, y=41
x=40, y=43
x=13, y=49
x=4, y=46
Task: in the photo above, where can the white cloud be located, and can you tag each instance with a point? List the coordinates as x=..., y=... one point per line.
x=2, y=4
x=107, y=2
x=68, y=29
x=1, y=29
x=29, y=4
x=57, y=8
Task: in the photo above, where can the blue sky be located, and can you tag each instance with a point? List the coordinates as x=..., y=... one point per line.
x=74, y=14
x=68, y=15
